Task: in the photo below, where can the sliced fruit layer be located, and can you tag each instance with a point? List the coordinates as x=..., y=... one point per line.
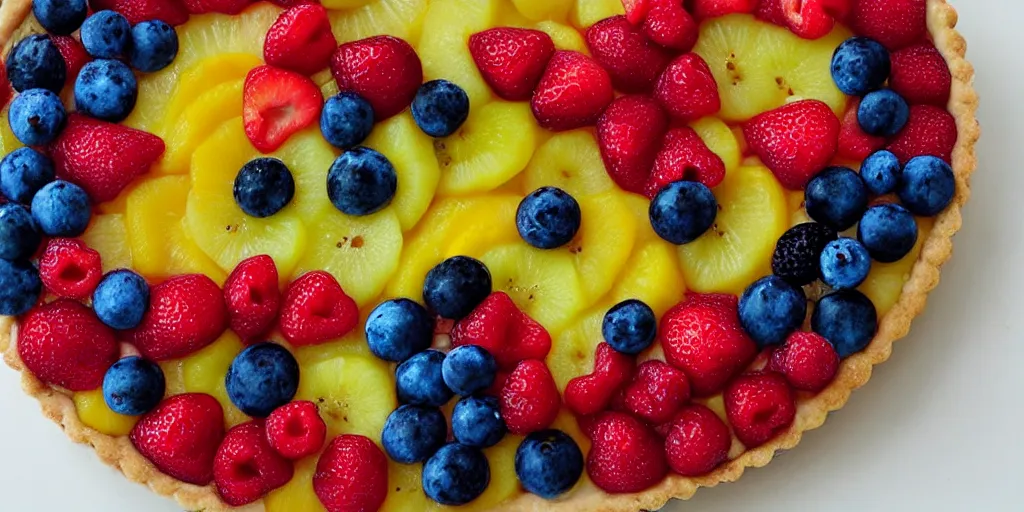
x=108, y=234
x=544, y=284
x=412, y=153
x=572, y=353
x=444, y=48
x=92, y=409
x=358, y=19
x=204, y=371
x=570, y=161
x=603, y=244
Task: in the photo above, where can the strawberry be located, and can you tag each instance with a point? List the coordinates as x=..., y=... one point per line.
x=181, y=436
x=69, y=268
x=669, y=25
x=293, y=3
x=704, y=9
x=74, y=55
x=246, y=468
x=221, y=6
x=703, y=337
x=687, y=90
x=6, y=92
x=171, y=12
x=101, y=157
x=572, y=93
x=511, y=60
x=759, y=406
x=252, y=297
x=626, y=455
x=351, y=475
x=316, y=309
x=920, y=74
x=795, y=141
x=808, y=19
x=296, y=430
x=636, y=10
x=808, y=361
x=633, y=61
x=276, y=103
x=300, y=40
x=499, y=326
x=894, y=23
x=656, y=392
x=854, y=144
x=929, y=131
x=590, y=394
x=64, y=344
x=684, y=156
x=629, y=134
x=383, y=69
x=186, y=313
x=697, y=442
x=771, y=11
x=529, y=400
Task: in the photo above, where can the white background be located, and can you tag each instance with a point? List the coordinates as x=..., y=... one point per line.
x=939, y=427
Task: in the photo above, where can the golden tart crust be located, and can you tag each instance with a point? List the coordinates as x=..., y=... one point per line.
x=854, y=372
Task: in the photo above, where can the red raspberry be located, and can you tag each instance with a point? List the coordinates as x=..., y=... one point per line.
x=808, y=361
x=383, y=69
x=252, y=297
x=704, y=9
x=181, y=436
x=296, y=430
x=316, y=309
x=920, y=74
x=590, y=394
x=854, y=144
x=499, y=326
x=530, y=400
x=633, y=61
x=687, y=89
x=796, y=141
x=684, y=156
x=809, y=19
x=352, y=475
x=511, y=60
x=186, y=313
x=669, y=25
x=629, y=134
x=300, y=40
x=221, y=6
x=626, y=455
x=246, y=468
x=74, y=55
x=929, y=131
x=759, y=406
x=572, y=93
x=64, y=344
x=698, y=441
x=657, y=392
x=69, y=268
x=894, y=23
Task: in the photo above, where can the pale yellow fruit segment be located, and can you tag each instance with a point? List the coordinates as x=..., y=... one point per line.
x=653, y=276
x=572, y=350
x=504, y=483
x=720, y=140
x=8, y=142
x=544, y=9
x=587, y=12
x=412, y=153
x=361, y=19
x=406, y=490
x=489, y=223
x=570, y=161
x=297, y=495
x=205, y=75
x=564, y=36
x=603, y=243
x=884, y=284
x=108, y=235
x=210, y=110
x=309, y=158
x=544, y=284
x=354, y=393
x=204, y=372
x=93, y=411
x=444, y=47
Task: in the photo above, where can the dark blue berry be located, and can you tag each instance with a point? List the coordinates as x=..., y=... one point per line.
x=60, y=17
x=20, y=287
x=860, y=65
x=928, y=185
x=798, y=250
x=845, y=263
x=154, y=46
x=346, y=120
x=23, y=172
x=771, y=309
x=121, y=299
x=263, y=187
x=836, y=197
x=881, y=172
x=477, y=421
x=888, y=231
x=19, y=235
x=420, y=380
x=629, y=327
x=883, y=113
x=549, y=463
x=361, y=181
x=548, y=218
x=456, y=286
x=36, y=116
x=61, y=209
x=847, y=319
x=440, y=108
x=469, y=369
x=133, y=386
x=107, y=35
x=457, y=474
x=683, y=211
x=262, y=378
x=36, y=63
x=413, y=433
x=106, y=89
x=398, y=329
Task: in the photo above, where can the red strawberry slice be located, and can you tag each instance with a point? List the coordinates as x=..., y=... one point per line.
x=172, y=12
x=704, y=9
x=636, y=10
x=633, y=61
x=854, y=144
x=246, y=468
x=684, y=156
x=181, y=436
x=920, y=74
x=383, y=69
x=590, y=394
x=759, y=407
x=499, y=326
x=795, y=141
x=894, y=23
x=929, y=131
x=276, y=103
x=808, y=18
x=351, y=475
x=626, y=455
x=101, y=157
x=252, y=297
x=316, y=309
x=64, y=344
x=511, y=60
x=629, y=134
x=186, y=313
x=530, y=399
x=221, y=6
x=74, y=55
x=669, y=25
x=687, y=89
x=573, y=92
x=69, y=268
x=300, y=40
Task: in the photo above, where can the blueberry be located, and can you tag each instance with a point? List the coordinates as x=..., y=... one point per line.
x=845, y=263
x=107, y=35
x=61, y=17
x=881, y=172
x=836, y=197
x=62, y=209
x=420, y=380
x=847, y=319
x=262, y=378
x=19, y=235
x=456, y=286
x=457, y=474
x=683, y=211
x=37, y=116
x=121, y=299
x=629, y=327
x=477, y=421
x=264, y=187
x=36, y=63
x=771, y=309
x=413, y=433
x=883, y=113
x=548, y=463
x=106, y=89
x=397, y=329
x=798, y=251
x=888, y=231
x=469, y=369
x=860, y=65
x=346, y=120
x=361, y=181
x=548, y=218
x=928, y=185
x=133, y=386
x=440, y=108
x=154, y=46
x=20, y=287
x=23, y=172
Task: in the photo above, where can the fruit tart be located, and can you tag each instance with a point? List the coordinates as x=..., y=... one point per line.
x=362, y=255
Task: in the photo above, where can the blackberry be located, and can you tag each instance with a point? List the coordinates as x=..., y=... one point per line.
x=798, y=252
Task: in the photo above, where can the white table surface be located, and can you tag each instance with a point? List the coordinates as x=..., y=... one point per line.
x=939, y=427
